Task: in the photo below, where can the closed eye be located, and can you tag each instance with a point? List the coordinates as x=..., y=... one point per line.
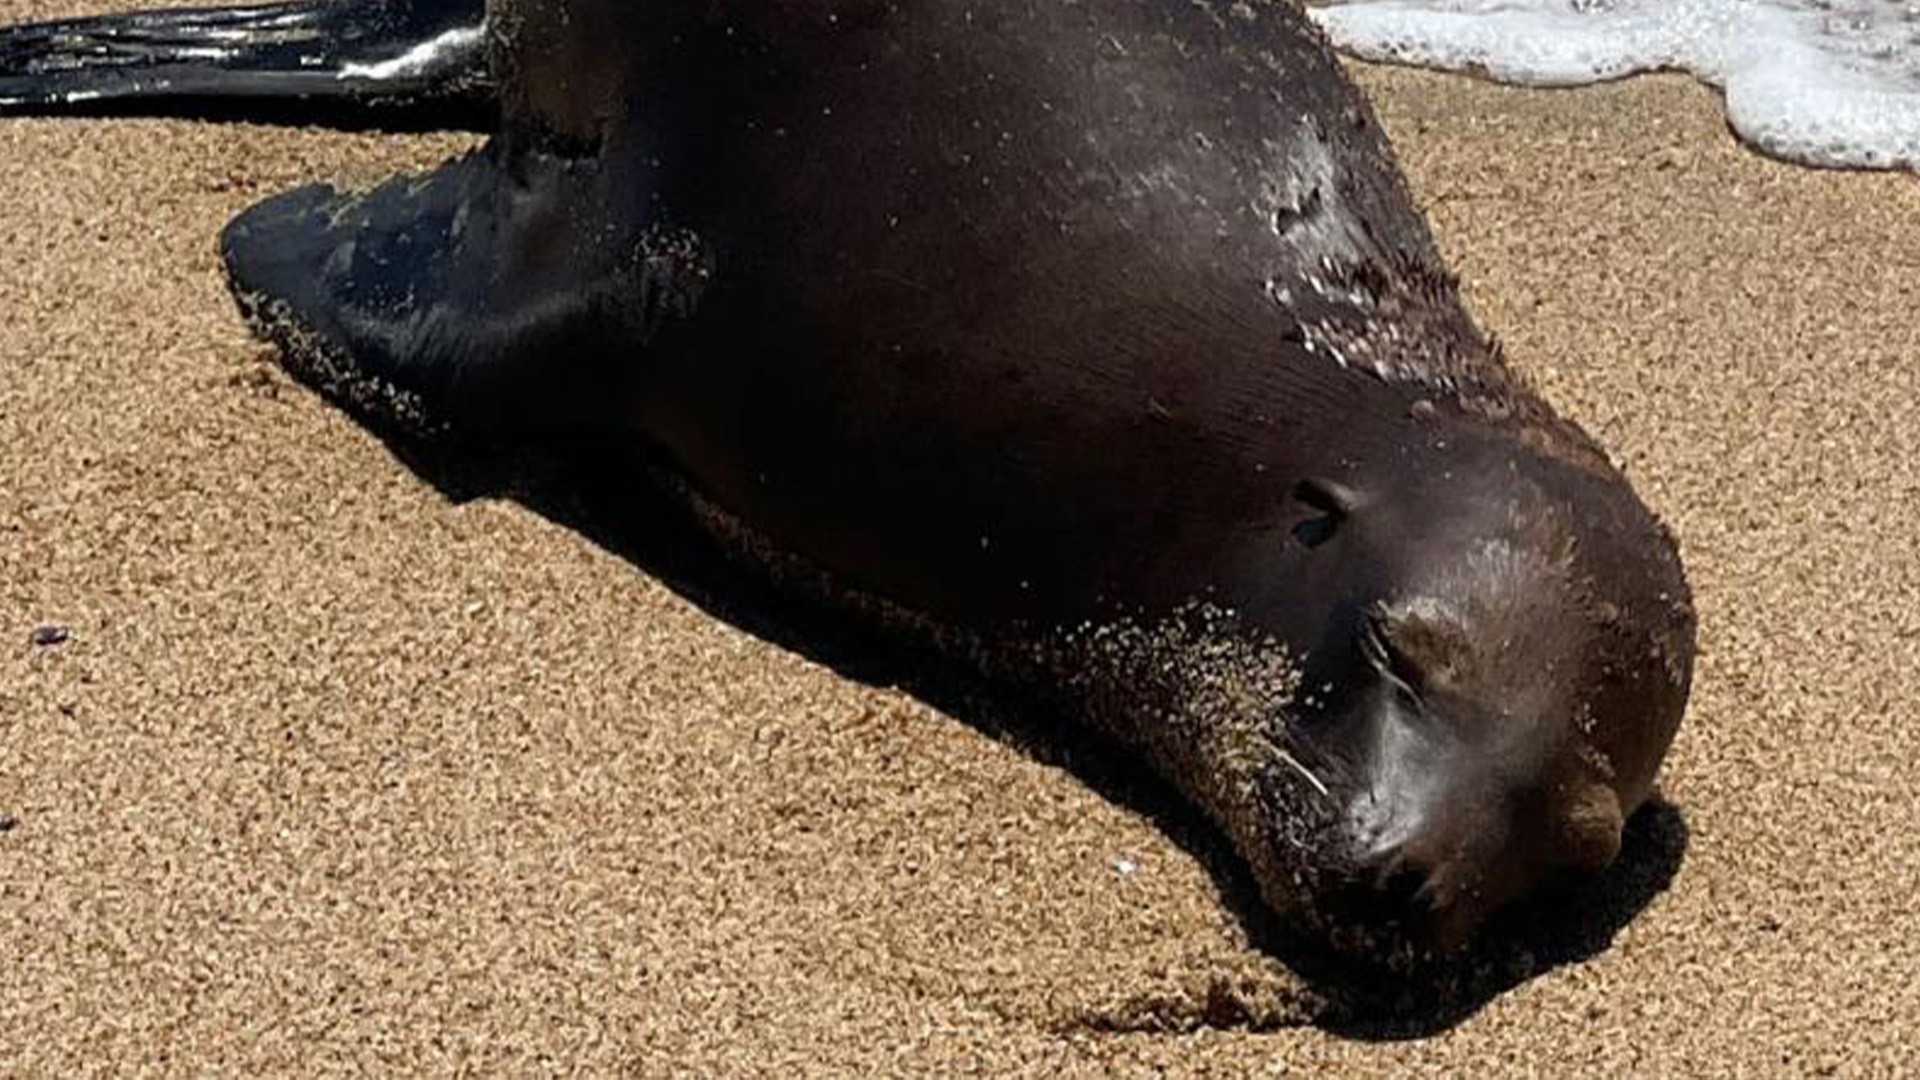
x=1401, y=673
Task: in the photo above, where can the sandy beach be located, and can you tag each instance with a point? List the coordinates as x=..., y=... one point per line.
x=348, y=767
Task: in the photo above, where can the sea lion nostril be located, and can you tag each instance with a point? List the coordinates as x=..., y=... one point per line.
x=1386, y=891
x=1404, y=890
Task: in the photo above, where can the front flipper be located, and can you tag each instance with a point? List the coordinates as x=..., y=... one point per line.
x=469, y=298
x=311, y=57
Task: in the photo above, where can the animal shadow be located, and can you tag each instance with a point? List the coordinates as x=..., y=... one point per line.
x=594, y=487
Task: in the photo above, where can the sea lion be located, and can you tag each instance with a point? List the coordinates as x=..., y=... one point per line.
x=1099, y=343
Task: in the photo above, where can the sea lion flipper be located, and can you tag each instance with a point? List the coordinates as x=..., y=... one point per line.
x=324, y=55
x=464, y=298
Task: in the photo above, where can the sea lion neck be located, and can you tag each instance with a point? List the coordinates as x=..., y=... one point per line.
x=573, y=73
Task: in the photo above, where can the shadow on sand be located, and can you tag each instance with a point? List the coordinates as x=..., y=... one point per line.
x=595, y=488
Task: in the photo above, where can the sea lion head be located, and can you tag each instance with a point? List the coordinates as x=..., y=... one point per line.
x=1506, y=665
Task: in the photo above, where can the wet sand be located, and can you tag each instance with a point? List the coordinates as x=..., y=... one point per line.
x=344, y=769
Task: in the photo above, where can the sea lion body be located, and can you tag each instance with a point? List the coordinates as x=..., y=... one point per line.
x=1100, y=341
x=990, y=326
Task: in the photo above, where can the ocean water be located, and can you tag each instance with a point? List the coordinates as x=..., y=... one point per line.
x=1822, y=82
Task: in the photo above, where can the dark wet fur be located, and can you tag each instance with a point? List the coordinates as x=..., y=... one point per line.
x=261, y=63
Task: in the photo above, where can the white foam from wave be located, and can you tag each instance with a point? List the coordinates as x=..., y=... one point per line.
x=1822, y=82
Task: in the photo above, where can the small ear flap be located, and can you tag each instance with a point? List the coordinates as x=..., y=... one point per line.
x=1329, y=497
x=1330, y=503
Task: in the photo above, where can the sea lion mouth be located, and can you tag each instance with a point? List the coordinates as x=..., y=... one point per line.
x=1433, y=833
x=1416, y=848
x=1393, y=917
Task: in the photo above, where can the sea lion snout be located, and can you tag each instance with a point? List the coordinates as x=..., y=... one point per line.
x=1434, y=838
x=1439, y=844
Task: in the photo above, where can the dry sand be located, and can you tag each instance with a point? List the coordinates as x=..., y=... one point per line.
x=340, y=774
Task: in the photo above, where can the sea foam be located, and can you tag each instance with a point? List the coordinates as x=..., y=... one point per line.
x=1822, y=82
